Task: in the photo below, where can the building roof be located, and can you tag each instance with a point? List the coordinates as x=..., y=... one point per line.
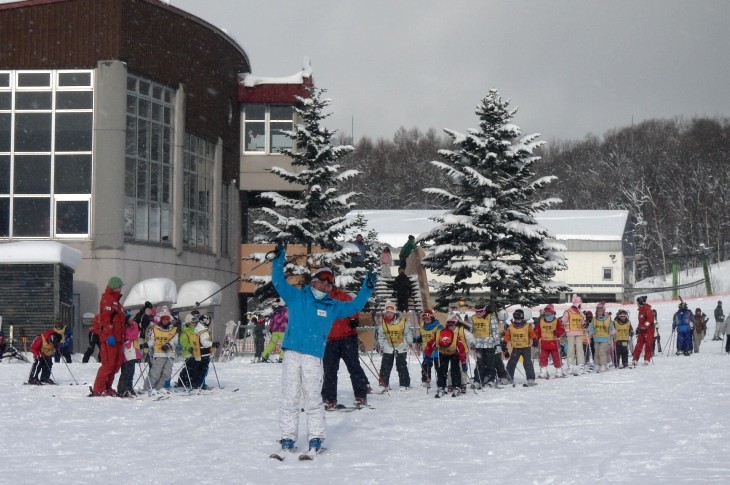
x=394, y=226
x=38, y=252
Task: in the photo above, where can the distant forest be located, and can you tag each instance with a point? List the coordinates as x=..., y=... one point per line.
x=672, y=175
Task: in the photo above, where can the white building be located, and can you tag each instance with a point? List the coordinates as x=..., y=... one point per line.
x=599, y=245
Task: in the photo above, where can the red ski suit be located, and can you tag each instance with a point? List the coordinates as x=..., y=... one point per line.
x=110, y=323
x=645, y=332
x=549, y=333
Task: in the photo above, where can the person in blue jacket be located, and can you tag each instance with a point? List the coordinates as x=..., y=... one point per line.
x=682, y=323
x=311, y=314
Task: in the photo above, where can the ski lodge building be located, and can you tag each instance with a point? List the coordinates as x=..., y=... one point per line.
x=123, y=129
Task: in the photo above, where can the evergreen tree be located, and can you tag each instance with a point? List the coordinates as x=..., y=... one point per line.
x=489, y=241
x=314, y=217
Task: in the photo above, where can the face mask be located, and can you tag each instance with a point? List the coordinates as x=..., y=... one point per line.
x=318, y=294
x=550, y=317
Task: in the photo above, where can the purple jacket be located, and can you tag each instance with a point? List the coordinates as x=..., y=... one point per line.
x=279, y=319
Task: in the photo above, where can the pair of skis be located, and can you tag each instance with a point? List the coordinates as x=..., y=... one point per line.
x=308, y=456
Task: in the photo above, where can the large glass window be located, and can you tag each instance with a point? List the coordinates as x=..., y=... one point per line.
x=148, y=163
x=198, y=173
x=46, y=137
x=264, y=127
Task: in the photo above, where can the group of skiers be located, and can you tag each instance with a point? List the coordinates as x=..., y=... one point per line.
x=153, y=335
x=579, y=336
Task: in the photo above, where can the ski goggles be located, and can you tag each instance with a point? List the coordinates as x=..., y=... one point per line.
x=481, y=311
x=326, y=276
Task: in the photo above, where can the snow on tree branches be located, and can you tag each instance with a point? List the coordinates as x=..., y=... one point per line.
x=489, y=241
x=314, y=216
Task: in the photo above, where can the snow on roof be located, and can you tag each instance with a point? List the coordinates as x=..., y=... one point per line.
x=249, y=80
x=585, y=225
x=394, y=226
x=154, y=290
x=39, y=252
x=193, y=293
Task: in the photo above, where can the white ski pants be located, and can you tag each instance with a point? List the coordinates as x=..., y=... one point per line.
x=301, y=380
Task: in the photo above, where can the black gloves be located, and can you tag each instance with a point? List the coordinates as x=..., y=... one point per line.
x=354, y=322
x=144, y=346
x=534, y=342
x=370, y=279
x=167, y=347
x=216, y=345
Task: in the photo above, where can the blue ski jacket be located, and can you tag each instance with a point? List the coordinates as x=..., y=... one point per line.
x=310, y=320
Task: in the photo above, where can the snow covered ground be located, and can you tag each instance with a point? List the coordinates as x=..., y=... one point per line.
x=666, y=422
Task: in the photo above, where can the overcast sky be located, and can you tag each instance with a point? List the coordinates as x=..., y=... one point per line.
x=572, y=67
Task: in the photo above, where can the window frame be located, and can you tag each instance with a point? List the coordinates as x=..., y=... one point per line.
x=53, y=87
x=609, y=270
x=267, y=122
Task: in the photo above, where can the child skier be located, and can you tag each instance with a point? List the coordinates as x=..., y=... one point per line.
x=277, y=327
x=426, y=333
x=624, y=332
x=521, y=334
x=164, y=337
x=452, y=355
x=259, y=336
x=601, y=329
x=43, y=348
x=187, y=336
x=548, y=330
x=645, y=329
x=132, y=355
x=203, y=348
x=682, y=324
x=394, y=337
x=573, y=321
x=485, y=328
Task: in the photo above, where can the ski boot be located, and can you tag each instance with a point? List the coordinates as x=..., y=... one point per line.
x=440, y=392
x=543, y=373
x=530, y=383
x=286, y=444
x=315, y=444
x=330, y=404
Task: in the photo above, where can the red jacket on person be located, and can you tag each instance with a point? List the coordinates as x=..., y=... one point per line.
x=111, y=318
x=341, y=328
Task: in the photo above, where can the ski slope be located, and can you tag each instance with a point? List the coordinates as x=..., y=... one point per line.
x=666, y=422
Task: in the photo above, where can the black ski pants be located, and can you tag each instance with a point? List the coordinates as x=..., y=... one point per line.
x=526, y=354
x=93, y=343
x=486, y=369
x=442, y=371
x=126, y=377
x=401, y=365
x=348, y=350
x=41, y=368
x=622, y=350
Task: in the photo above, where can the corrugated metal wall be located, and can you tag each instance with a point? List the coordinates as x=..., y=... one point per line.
x=32, y=295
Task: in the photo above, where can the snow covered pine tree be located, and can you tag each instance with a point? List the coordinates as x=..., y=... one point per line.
x=490, y=230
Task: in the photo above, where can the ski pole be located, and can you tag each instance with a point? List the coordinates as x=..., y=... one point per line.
x=69, y=370
x=368, y=367
x=49, y=369
x=239, y=278
x=216, y=374
x=141, y=373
